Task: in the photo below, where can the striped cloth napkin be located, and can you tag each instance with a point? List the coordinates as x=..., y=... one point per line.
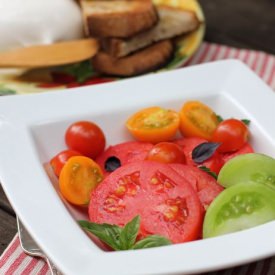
x=14, y=261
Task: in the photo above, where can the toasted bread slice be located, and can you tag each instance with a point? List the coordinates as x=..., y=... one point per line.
x=140, y=62
x=172, y=22
x=118, y=18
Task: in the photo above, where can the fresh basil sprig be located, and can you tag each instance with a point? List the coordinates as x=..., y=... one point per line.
x=123, y=238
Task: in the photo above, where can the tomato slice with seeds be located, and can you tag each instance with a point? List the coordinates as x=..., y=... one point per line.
x=205, y=185
x=197, y=120
x=153, y=124
x=166, y=202
x=78, y=177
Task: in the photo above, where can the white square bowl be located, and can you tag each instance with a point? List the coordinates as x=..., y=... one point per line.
x=32, y=131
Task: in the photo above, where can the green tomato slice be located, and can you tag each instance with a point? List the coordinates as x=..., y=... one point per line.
x=239, y=207
x=248, y=168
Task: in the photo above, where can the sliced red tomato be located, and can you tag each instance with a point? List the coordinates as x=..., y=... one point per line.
x=214, y=163
x=247, y=148
x=58, y=161
x=123, y=153
x=205, y=185
x=166, y=152
x=154, y=124
x=165, y=201
x=232, y=134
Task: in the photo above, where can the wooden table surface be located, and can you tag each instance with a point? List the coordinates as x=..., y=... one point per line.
x=246, y=24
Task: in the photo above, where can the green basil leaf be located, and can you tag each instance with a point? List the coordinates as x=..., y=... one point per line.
x=246, y=121
x=204, y=151
x=129, y=233
x=152, y=241
x=219, y=118
x=208, y=171
x=109, y=234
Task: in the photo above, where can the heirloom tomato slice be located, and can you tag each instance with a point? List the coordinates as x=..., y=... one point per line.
x=153, y=124
x=205, y=185
x=239, y=207
x=165, y=202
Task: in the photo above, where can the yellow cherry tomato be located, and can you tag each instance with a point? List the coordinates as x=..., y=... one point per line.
x=154, y=124
x=78, y=177
x=197, y=120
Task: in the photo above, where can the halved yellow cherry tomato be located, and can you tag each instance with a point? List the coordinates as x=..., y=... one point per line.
x=197, y=120
x=78, y=177
x=154, y=124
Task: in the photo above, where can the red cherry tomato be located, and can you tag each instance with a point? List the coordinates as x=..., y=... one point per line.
x=58, y=161
x=166, y=152
x=232, y=134
x=85, y=137
x=165, y=201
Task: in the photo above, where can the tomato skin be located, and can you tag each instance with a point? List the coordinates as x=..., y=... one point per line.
x=197, y=120
x=165, y=201
x=232, y=134
x=85, y=137
x=78, y=177
x=214, y=163
x=58, y=161
x=153, y=124
x=166, y=152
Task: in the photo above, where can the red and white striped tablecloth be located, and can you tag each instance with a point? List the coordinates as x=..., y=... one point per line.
x=14, y=262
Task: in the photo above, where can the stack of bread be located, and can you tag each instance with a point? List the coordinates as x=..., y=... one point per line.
x=135, y=35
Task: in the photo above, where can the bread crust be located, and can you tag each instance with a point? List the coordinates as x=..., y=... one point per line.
x=120, y=18
x=172, y=22
x=148, y=59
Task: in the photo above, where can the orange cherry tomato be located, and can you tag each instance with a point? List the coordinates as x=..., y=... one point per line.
x=197, y=120
x=154, y=124
x=166, y=152
x=58, y=161
x=78, y=177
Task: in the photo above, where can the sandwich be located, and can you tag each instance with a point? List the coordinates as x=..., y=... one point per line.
x=135, y=36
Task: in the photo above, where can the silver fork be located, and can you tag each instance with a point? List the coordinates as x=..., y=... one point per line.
x=31, y=248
